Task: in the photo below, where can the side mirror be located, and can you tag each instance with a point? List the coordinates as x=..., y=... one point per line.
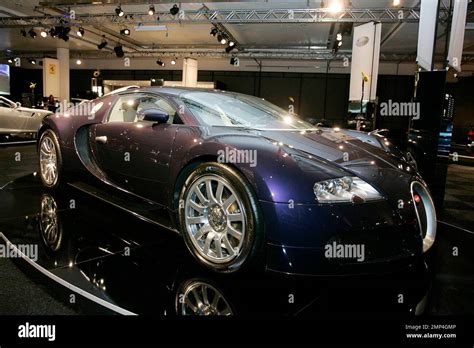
x=153, y=115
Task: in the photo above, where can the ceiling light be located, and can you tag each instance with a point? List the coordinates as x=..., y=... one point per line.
x=80, y=32
x=151, y=10
x=223, y=41
x=78, y=62
x=119, y=51
x=340, y=43
x=10, y=61
x=119, y=11
x=32, y=33
x=335, y=6
x=125, y=31
x=160, y=63
x=173, y=62
x=174, y=10
x=32, y=61
x=44, y=33
x=103, y=43
x=231, y=43
x=53, y=32
x=339, y=37
x=396, y=2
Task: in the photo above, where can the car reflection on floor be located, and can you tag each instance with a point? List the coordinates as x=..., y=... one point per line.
x=127, y=266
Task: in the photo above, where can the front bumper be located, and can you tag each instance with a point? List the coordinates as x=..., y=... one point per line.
x=299, y=236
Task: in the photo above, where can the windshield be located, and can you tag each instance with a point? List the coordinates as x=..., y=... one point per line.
x=238, y=110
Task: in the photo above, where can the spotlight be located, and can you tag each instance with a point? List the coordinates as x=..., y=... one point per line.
x=53, y=32
x=160, y=63
x=173, y=62
x=396, y=2
x=223, y=41
x=32, y=61
x=231, y=43
x=80, y=32
x=340, y=43
x=78, y=62
x=119, y=51
x=10, y=61
x=63, y=32
x=103, y=43
x=214, y=31
x=335, y=6
x=125, y=31
x=119, y=11
x=32, y=33
x=23, y=32
x=151, y=10
x=44, y=33
x=174, y=10
x=229, y=48
x=339, y=37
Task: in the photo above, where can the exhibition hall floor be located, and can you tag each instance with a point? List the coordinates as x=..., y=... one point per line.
x=95, y=259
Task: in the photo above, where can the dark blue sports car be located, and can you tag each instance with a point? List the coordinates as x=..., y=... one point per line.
x=245, y=183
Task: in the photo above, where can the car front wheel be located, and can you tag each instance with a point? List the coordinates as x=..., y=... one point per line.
x=50, y=159
x=220, y=220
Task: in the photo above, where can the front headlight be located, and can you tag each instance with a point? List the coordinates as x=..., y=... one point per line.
x=345, y=190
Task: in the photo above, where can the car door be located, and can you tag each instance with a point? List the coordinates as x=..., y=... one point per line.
x=11, y=120
x=135, y=154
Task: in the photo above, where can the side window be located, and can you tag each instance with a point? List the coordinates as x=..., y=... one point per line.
x=127, y=107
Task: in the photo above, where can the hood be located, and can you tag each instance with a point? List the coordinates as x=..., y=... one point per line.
x=383, y=170
x=36, y=111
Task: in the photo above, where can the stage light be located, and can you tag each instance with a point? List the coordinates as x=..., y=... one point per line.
x=214, y=31
x=231, y=43
x=103, y=43
x=119, y=11
x=32, y=61
x=335, y=6
x=173, y=62
x=80, y=32
x=78, y=62
x=339, y=37
x=223, y=41
x=32, y=33
x=10, y=61
x=160, y=63
x=340, y=43
x=151, y=10
x=125, y=31
x=53, y=32
x=23, y=32
x=119, y=51
x=174, y=10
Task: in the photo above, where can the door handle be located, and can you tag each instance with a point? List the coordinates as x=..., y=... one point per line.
x=102, y=139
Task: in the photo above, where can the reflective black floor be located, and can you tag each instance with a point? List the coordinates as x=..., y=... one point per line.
x=138, y=268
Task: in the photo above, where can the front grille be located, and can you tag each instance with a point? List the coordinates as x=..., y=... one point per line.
x=425, y=213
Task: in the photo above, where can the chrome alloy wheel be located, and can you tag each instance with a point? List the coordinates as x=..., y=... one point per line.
x=49, y=224
x=48, y=161
x=201, y=298
x=215, y=219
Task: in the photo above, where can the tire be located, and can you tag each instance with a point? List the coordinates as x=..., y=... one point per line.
x=224, y=233
x=50, y=160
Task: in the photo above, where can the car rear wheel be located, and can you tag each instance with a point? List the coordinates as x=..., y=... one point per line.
x=220, y=220
x=50, y=159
